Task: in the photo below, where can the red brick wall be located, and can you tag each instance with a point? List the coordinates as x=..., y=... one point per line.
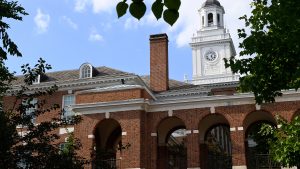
x=95, y=97
x=138, y=125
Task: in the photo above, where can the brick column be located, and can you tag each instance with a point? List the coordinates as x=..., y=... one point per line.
x=238, y=150
x=203, y=155
x=162, y=157
x=192, y=141
x=84, y=132
x=133, y=132
x=152, y=150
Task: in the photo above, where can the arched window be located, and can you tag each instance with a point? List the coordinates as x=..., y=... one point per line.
x=202, y=20
x=86, y=71
x=210, y=19
x=218, y=19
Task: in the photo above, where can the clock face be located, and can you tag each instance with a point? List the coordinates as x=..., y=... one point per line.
x=211, y=56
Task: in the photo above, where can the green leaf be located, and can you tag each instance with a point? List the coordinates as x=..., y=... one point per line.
x=137, y=9
x=172, y=4
x=171, y=16
x=157, y=9
x=121, y=8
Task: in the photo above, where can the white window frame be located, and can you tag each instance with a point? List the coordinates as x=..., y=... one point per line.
x=32, y=109
x=67, y=107
x=85, y=71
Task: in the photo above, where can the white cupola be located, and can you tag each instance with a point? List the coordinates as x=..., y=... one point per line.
x=210, y=45
x=211, y=14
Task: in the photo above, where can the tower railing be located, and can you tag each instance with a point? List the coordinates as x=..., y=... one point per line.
x=210, y=38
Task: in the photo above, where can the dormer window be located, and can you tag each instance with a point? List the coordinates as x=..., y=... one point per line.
x=37, y=80
x=86, y=71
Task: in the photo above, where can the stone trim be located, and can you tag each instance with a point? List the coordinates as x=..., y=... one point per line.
x=212, y=110
x=66, y=130
x=195, y=131
x=240, y=128
x=91, y=136
x=107, y=115
x=170, y=113
x=239, y=167
x=154, y=134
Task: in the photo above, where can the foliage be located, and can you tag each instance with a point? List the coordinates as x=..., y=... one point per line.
x=262, y=146
x=24, y=144
x=284, y=142
x=274, y=49
x=9, y=10
x=137, y=8
x=30, y=145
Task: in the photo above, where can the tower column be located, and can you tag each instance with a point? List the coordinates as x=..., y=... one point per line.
x=205, y=20
x=215, y=18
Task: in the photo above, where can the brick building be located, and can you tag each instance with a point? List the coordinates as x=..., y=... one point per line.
x=164, y=123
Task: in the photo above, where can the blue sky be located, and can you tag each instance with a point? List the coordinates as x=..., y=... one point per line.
x=67, y=33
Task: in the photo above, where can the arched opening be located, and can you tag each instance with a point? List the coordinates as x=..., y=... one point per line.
x=215, y=143
x=210, y=18
x=202, y=21
x=256, y=145
x=172, y=153
x=218, y=19
x=219, y=147
x=107, y=145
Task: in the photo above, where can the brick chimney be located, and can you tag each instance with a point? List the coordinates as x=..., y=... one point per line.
x=159, y=70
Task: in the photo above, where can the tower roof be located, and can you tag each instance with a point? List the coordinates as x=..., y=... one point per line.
x=211, y=3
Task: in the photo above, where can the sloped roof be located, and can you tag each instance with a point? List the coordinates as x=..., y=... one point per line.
x=173, y=84
x=69, y=75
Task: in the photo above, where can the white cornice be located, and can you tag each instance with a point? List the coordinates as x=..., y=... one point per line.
x=78, y=83
x=114, y=106
x=177, y=104
x=111, y=88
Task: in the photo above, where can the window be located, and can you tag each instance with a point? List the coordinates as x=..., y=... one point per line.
x=210, y=19
x=32, y=107
x=62, y=146
x=68, y=100
x=202, y=20
x=86, y=71
x=218, y=19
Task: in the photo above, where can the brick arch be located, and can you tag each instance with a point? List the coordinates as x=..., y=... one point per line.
x=258, y=116
x=107, y=132
x=210, y=120
x=166, y=126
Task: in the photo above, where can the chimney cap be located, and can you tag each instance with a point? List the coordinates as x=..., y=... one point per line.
x=159, y=36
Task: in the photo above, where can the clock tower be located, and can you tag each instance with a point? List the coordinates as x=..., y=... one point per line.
x=210, y=45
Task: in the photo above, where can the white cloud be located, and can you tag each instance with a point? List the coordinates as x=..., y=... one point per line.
x=70, y=22
x=97, y=5
x=42, y=21
x=95, y=36
x=104, y=5
x=80, y=5
x=188, y=22
x=148, y=20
